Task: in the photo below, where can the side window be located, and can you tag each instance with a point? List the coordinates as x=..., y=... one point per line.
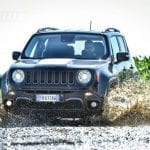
x=115, y=46
x=122, y=44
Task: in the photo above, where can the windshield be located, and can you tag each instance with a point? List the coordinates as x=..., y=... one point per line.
x=66, y=45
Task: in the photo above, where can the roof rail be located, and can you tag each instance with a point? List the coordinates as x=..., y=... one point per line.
x=112, y=30
x=46, y=29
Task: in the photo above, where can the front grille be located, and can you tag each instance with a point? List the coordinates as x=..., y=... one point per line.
x=49, y=77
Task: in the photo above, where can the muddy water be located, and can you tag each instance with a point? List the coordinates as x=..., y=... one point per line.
x=128, y=104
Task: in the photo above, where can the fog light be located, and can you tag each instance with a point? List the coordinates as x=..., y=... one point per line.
x=9, y=103
x=88, y=94
x=94, y=104
x=12, y=93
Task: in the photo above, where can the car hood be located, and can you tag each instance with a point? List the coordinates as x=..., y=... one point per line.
x=67, y=63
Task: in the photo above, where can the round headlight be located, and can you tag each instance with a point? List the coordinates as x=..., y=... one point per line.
x=84, y=76
x=18, y=76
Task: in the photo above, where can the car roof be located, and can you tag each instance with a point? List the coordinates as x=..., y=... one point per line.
x=108, y=31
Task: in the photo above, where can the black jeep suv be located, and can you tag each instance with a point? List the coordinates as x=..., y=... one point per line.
x=66, y=73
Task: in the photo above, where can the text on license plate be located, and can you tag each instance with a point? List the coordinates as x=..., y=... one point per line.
x=47, y=97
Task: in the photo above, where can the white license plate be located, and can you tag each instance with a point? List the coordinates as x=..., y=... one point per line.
x=47, y=97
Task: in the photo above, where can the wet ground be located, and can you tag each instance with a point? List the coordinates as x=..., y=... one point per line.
x=78, y=138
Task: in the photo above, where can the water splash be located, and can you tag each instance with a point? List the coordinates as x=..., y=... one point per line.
x=128, y=104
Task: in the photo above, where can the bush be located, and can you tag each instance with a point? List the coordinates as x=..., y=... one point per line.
x=143, y=66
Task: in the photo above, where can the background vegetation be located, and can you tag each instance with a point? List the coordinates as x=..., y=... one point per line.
x=143, y=66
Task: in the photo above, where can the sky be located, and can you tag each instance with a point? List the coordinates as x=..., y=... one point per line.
x=19, y=19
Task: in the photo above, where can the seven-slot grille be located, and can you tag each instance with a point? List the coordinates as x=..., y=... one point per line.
x=49, y=77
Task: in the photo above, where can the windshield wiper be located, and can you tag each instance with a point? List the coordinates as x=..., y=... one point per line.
x=82, y=57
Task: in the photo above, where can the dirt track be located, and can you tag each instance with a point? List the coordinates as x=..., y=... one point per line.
x=78, y=138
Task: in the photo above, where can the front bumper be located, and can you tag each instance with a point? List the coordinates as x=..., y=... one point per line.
x=71, y=104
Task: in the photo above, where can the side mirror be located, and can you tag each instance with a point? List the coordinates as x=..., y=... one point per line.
x=15, y=55
x=123, y=56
